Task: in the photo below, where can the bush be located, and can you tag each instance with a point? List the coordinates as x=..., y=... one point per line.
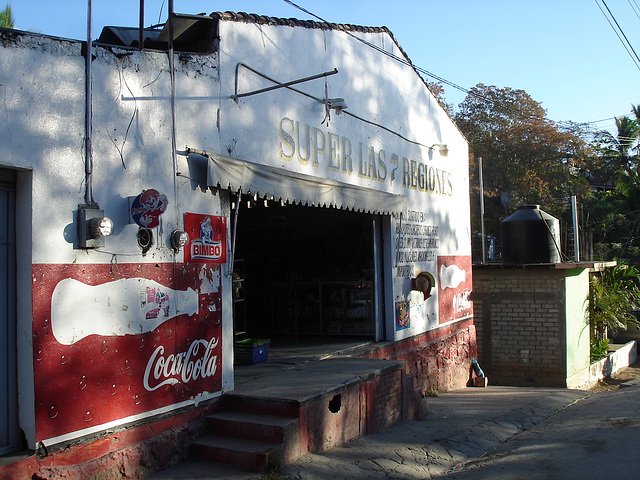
x=613, y=294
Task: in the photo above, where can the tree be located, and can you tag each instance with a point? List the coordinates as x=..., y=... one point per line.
x=437, y=90
x=6, y=18
x=527, y=157
x=619, y=153
x=614, y=211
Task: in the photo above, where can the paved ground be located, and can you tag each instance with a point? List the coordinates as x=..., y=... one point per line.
x=597, y=438
x=479, y=433
x=461, y=426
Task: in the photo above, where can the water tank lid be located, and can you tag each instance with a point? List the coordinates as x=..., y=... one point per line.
x=529, y=207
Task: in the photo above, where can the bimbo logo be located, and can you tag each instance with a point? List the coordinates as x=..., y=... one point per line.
x=197, y=362
x=209, y=244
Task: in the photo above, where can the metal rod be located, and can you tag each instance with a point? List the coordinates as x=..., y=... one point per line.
x=141, y=26
x=234, y=229
x=237, y=95
x=88, y=162
x=484, y=247
x=574, y=217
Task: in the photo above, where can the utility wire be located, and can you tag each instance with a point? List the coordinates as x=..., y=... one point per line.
x=432, y=75
x=627, y=46
x=635, y=8
x=621, y=31
x=395, y=57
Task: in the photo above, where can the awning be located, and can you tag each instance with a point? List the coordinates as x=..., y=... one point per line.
x=292, y=187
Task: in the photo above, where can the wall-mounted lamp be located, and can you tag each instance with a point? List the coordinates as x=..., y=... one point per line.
x=444, y=151
x=337, y=104
x=93, y=226
x=179, y=239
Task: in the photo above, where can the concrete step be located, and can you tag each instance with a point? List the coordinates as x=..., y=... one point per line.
x=247, y=454
x=253, y=426
x=261, y=405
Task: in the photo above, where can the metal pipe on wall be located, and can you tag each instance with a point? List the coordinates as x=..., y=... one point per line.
x=88, y=162
x=141, y=26
x=484, y=247
x=576, y=239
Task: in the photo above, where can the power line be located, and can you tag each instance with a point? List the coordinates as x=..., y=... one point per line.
x=437, y=77
x=635, y=8
x=625, y=43
x=395, y=57
x=621, y=31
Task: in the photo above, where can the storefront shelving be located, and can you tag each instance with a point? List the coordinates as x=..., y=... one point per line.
x=322, y=308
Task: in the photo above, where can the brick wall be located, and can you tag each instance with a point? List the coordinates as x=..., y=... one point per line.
x=521, y=324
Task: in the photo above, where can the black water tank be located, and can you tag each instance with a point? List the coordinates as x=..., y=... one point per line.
x=530, y=236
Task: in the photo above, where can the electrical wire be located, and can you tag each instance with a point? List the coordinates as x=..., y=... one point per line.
x=635, y=8
x=564, y=124
x=415, y=67
x=395, y=57
x=627, y=46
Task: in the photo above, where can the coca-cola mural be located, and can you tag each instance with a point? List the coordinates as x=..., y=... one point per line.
x=118, y=342
x=454, y=287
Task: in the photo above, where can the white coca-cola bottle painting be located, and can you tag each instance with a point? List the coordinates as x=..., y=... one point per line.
x=451, y=276
x=128, y=306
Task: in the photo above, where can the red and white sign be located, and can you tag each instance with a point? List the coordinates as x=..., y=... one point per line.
x=114, y=346
x=454, y=287
x=207, y=238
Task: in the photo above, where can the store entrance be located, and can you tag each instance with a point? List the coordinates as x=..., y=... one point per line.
x=304, y=275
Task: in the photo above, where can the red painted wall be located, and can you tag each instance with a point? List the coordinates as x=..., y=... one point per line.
x=106, y=378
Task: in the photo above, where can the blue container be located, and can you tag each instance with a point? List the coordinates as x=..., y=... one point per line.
x=252, y=350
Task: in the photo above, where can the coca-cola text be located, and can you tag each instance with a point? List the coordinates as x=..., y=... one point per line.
x=196, y=362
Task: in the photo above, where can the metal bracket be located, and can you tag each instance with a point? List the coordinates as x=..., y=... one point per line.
x=237, y=95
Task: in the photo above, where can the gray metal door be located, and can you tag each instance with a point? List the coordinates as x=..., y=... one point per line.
x=9, y=427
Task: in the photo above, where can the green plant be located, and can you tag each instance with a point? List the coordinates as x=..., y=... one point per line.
x=613, y=294
x=599, y=349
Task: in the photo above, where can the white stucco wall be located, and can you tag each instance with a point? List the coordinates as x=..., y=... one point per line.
x=394, y=118
x=43, y=128
x=386, y=95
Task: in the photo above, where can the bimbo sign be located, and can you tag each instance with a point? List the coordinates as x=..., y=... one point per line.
x=207, y=238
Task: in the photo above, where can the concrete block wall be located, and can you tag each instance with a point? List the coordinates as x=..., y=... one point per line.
x=520, y=317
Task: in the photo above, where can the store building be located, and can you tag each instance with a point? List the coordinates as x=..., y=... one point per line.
x=308, y=162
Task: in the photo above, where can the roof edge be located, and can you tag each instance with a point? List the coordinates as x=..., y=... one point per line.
x=294, y=22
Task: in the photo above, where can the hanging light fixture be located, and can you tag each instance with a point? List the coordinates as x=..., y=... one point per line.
x=337, y=104
x=442, y=147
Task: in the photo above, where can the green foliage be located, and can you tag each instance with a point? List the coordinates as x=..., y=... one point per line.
x=599, y=349
x=6, y=18
x=614, y=214
x=613, y=294
x=527, y=158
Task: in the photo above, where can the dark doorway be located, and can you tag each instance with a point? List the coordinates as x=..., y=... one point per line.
x=307, y=272
x=10, y=436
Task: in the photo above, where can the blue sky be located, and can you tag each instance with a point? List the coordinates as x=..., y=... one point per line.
x=563, y=53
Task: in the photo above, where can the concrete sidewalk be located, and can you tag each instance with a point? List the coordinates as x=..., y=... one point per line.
x=460, y=427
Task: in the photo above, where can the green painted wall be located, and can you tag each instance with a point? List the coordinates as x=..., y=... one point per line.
x=577, y=318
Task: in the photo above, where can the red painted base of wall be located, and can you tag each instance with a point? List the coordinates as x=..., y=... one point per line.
x=132, y=453
x=436, y=361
